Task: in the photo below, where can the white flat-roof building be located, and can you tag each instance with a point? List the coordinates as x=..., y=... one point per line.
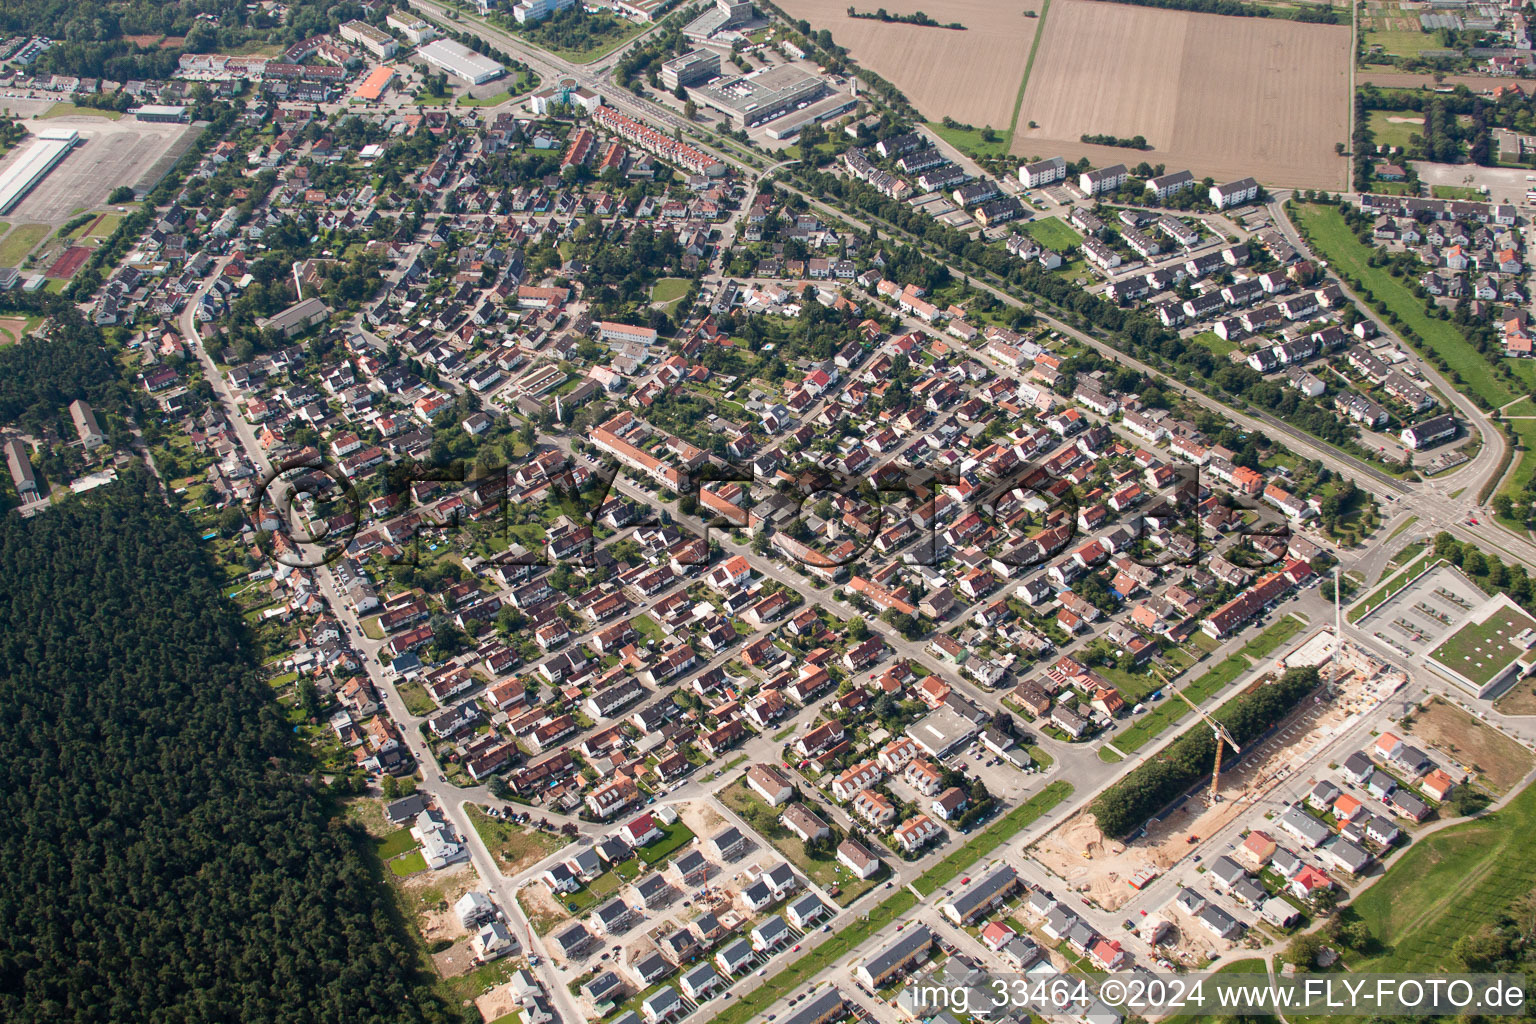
x=33, y=163
x=530, y=11
x=376, y=41
x=460, y=61
x=414, y=29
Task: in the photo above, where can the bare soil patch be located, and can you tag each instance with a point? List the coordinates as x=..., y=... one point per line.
x=11, y=328
x=1225, y=97
x=972, y=76
x=1102, y=869
x=1519, y=700
x=1497, y=759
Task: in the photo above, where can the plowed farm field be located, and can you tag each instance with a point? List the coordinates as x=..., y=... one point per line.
x=972, y=76
x=1222, y=96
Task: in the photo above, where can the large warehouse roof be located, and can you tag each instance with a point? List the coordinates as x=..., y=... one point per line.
x=458, y=59
x=33, y=163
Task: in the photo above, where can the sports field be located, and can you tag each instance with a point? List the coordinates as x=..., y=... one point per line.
x=971, y=76
x=1226, y=97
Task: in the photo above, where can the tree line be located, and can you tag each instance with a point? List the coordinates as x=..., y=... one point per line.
x=1130, y=803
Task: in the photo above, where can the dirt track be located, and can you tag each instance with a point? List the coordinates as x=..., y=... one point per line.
x=1221, y=96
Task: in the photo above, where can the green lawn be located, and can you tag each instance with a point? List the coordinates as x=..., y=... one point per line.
x=995, y=835
x=1171, y=709
x=1405, y=524
x=1392, y=586
x=1054, y=233
x=64, y=108
x=16, y=245
x=416, y=700
x=1211, y=340
x=393, y=845
x=1401, y=43
x=1448, y=885
x=1273, y=637
x=1457, y=192
x=669, y=289
x=1251, y=965
x=409, y=864
x=1334, y=240
x=608, y=37
x=673, y=837
x=970, y=141
x=1390, y=133
x=824, y=871
x=1524, y=469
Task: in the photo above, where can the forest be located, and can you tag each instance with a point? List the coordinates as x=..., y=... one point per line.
x=40, y=377
x=1128, y=804
x=121, y=40
x=168, y=857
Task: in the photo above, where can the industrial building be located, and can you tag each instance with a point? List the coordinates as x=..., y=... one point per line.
x=791, y=124
x=530, y=11
x=376, y=41
x=749, y=100
x=33, y=163
x=460, y=61
x=691, y=68
x=726, y=14
x=164, y=113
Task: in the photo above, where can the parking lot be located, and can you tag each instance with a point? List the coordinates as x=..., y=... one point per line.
x=1419, y=616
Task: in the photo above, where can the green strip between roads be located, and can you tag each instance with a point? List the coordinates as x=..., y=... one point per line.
x=844, y=942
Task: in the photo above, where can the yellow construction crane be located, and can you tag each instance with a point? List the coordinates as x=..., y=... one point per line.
x=1220, y=732
x=1217, y=729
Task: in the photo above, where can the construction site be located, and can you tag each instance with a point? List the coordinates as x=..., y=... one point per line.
x=1138, y=878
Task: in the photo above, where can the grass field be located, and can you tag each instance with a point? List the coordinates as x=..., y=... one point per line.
x=409, y=864
x=1170, y=709
x=1401, y=42
x=1338, y=244
x=824, y=871
x=1211, y=340
x=1392, y=586
x=970, y=142
x=1054, y=233
x=15, y=246
x=1519, y=477
x=1457, y=192
x=1448, y=885
x=66, y=109
x=395, y=843
x=1394, y=127
x=669, y=289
